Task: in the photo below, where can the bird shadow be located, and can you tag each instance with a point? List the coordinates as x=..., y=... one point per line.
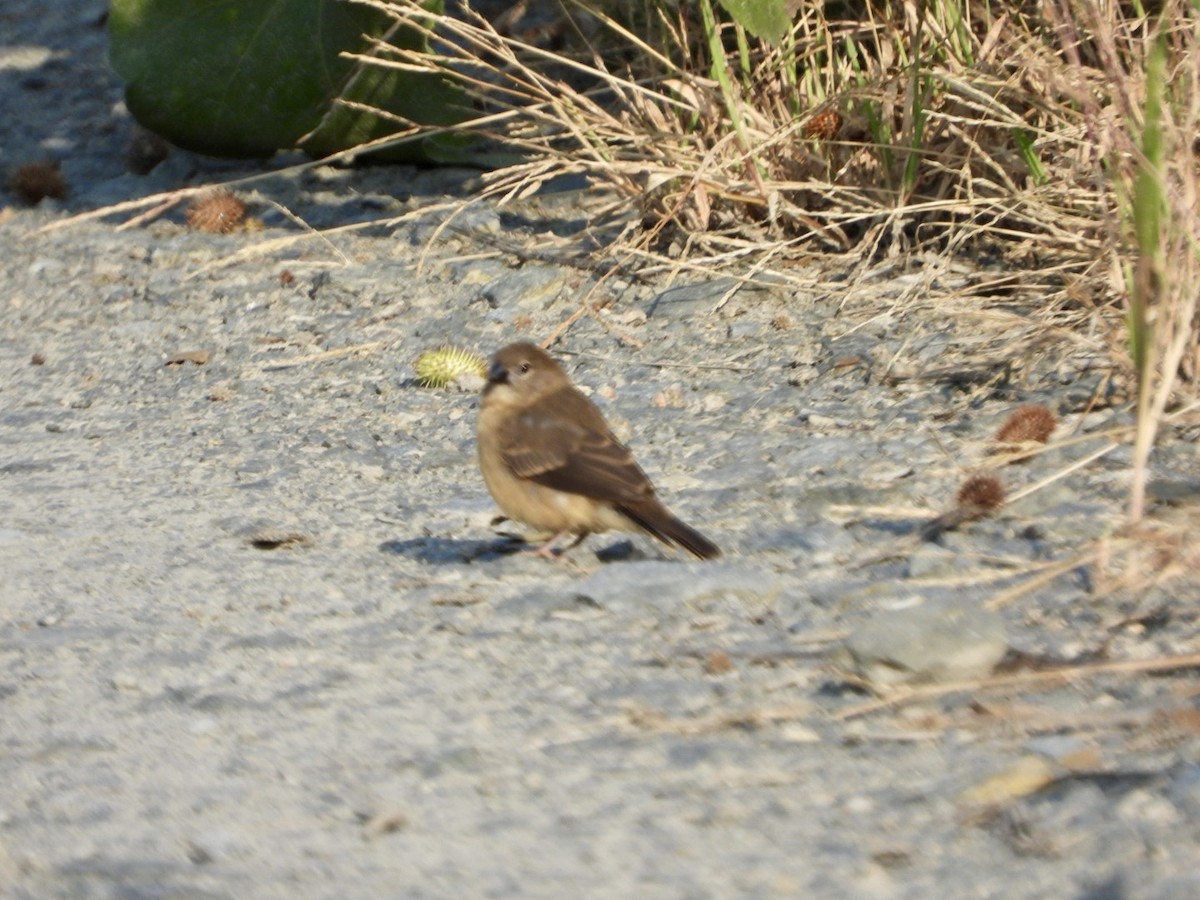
x=447, y=551
x=439, y=550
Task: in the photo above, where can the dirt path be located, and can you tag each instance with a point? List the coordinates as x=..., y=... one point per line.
x=386, y=704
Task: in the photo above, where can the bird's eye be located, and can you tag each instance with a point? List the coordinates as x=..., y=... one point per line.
x=525, y=367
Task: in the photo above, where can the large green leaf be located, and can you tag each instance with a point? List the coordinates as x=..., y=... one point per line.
x=244, y=78
x=767, y=19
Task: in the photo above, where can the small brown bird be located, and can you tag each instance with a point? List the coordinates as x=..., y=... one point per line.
x=550, y=460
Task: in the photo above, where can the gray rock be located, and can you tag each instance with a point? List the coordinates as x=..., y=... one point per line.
x=700, y=297
x=927, y=641
x=531, y=287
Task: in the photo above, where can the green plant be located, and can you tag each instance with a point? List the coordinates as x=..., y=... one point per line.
x=244, y=79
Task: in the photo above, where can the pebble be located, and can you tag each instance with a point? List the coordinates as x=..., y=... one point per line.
x=531, y=287
x=927, y=642
x=212, y=846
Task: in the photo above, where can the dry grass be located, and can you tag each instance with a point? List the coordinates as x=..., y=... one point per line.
x=1052, y=143
x=884, y=133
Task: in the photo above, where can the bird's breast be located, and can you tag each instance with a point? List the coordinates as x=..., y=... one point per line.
x=536, y=505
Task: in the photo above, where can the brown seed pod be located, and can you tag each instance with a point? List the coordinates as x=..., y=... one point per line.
x=35, y=181
x=718, y=662
x=823, y=126
x=979, y=495
x=217, y=212
x=1033, y=422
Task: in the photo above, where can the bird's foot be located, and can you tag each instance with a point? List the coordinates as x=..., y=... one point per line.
x=547, y=551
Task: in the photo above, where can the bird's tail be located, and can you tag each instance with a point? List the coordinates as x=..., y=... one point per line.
x=657, y=520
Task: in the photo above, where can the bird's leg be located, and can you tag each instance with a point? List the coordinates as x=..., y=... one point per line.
x=546, y=550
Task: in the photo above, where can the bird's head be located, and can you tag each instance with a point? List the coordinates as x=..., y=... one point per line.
x=522, y=371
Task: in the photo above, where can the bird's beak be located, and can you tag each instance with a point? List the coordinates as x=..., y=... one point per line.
x=497, y=374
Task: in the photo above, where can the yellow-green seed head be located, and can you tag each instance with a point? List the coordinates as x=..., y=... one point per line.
x=443, y=365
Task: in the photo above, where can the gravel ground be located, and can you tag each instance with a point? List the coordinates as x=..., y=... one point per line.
x=258, y=636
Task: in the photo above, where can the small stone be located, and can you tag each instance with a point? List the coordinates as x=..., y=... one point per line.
x=271, y=538
x=51, y=618
x=928, y=642
x=387, y=822
x=126, y=681
x=199, y=357
x=467, y=383
x=700, y=298
x=859, y=804
x=799, y=734
x=670, y=397
x=527, y=288
x=1144, y=807
x=718, y=663
x=206, y=848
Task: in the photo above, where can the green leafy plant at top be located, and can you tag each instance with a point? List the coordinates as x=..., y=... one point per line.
x=240, y=78
x=766, y=19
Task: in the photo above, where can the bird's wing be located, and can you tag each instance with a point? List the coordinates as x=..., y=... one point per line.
x=561, y=441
